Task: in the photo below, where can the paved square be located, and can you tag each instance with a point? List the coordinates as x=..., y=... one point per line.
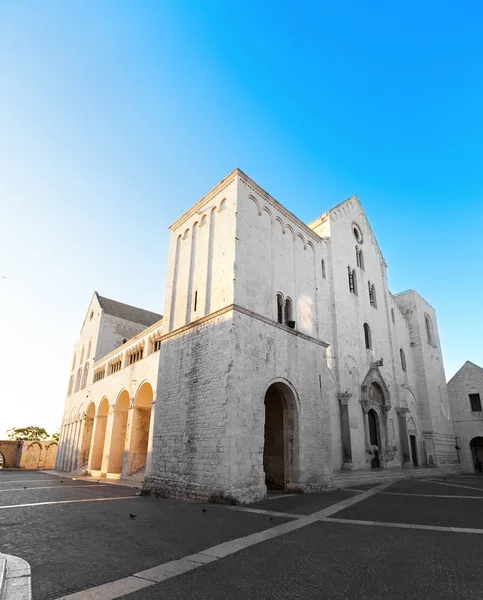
x=77, y=535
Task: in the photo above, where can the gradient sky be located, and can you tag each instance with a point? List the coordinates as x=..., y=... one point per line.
x=116, y=117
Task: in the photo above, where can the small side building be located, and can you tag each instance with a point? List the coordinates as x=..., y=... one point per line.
x=465, y=391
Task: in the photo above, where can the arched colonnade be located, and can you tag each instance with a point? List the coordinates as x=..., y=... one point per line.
x=110, y=440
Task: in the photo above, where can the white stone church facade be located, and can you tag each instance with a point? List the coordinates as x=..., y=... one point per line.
x=282, y=359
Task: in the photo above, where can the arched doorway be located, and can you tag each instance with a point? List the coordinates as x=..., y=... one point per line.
x=86, y=442
x=374, y=438
x=280, y=450
x=2, y=461
x=476, y=446
x=118, y=439
x=50, y=456
x=99, y=435
x=138, y=449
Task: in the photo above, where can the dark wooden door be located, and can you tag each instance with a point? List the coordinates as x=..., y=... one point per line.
x=413, y=450
x=374, y=438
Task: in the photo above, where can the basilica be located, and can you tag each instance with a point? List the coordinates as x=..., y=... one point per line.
x=281, y=361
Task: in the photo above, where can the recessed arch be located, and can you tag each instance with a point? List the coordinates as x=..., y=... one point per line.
x=281, y=436
x=100, y=425
x=476, y=447
x=290, y=228
x=118, y=437
x=367, y=336
x=257, y=204
x=429, y=329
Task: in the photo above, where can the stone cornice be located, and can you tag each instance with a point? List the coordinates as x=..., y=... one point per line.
x=196, y=208
x=271, y=200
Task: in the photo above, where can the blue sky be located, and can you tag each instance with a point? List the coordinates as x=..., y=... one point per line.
x=117, y=116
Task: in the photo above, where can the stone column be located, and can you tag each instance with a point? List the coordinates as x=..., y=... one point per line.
x=401, y=413
x=345, y=430
x=149, y=457
x=107, y=440
x=365, y=410
x=80, y=441
x=126, y=465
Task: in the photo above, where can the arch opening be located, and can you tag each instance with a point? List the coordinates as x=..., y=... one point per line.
x=86, y=442
x=374, y=437
x=476, y=446
x=99, y=435
x=118, y=438
x=141, y=422
x=2, y=461
x=280, y=450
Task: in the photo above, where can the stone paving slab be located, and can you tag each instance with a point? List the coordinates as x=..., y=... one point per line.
x=448, y=487
x=445, y=512
x=74, y=546
x=328, y=561
x=304, y=504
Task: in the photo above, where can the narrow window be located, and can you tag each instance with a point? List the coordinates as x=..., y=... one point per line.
x=196, y=301
x=354, y=281
x=84, y=375
x=361, y=260
x=392, y=315
x=358, y=256
x=73, y=362
x=71, y=384
x=350, y=273
x=429, y=329
x=475, y=402
x=82, y=355
x=372, y=294
x=403, y=359
x=367, y=337
x=89, y=349
x=279, y=308
x=288, y=312
x=323, y=269
x=157, y=345
x=78, y=380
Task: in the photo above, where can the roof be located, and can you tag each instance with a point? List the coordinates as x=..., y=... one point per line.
x=128, y=312
x=466, y=364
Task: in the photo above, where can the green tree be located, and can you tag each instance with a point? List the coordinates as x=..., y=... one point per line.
x=27, y=433
x=56, y=435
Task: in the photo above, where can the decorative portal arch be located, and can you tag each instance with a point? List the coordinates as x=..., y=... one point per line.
x=281, y=462
x=99, y=435
x=141, y=423
x=476, y=446
x=118, y=438
x=375, y=397
x=88, y=427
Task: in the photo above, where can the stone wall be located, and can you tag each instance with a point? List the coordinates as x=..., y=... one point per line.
x=29, y=455
x=468, y=424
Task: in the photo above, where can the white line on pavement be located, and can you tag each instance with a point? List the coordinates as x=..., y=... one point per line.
x=430, y=495
x=260, y=511
x=281, y=496
x=115, y=589
x=50, y=487
x=467, y=487
x=24, y=481
x=66, y=502
x=406, y=525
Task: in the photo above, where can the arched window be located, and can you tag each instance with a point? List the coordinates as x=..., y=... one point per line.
x=392, y=315
x=403, y=359
x=78, y=380
x=288, y=312
x=71, y=384
x=358, y=256
x=372, y=294
x=84, y=375
x=367, y=336
x=322, y=262
x=89, y=349
x=352, y=280
x=280, y=308
x=429, y=329
x=82, y=355
x=361, y=260
x=73, y=361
